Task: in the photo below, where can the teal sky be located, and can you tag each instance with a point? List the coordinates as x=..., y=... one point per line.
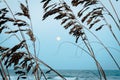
x=60, y=54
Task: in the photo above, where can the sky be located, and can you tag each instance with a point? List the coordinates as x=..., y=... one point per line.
x=54, y=46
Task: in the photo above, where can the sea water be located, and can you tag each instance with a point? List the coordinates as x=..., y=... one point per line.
x=74, y=75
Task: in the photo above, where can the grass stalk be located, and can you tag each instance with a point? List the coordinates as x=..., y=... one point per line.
x=114, y=11
x=99, y=39
x=48, y=67
x=18, y=27
x=87, y=44
x=26, y=46
x=109, y=13
x=31, y=26
x=114, y=35
x=99, y=68
x=111, y=30
x=43, y=74
x=3, y=72
x=10, y=37
x=104, y=47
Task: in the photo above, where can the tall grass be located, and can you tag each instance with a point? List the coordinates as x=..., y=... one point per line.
x=19, y=56
x=90, y=12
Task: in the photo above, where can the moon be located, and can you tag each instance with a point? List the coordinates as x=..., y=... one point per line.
x=58, y=38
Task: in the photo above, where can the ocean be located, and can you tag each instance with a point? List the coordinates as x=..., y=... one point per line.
x=75, y=75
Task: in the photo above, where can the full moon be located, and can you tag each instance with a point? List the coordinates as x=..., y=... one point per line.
x=58, y=38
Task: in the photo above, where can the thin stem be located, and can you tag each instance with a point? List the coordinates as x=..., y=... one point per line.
x=10, y=37
x=115, y=11
x=104, y=47
x=43, y=73
x=29, y=15
x=89, y=47
x=37, y=53
x=3, y=71
x=118, y=26
x=2, y=74
x=31, y=26
x=26, y=46
x=101, y=41
x=38, y=76
x=110, y=28
x=8, y=74
x=99, y=67
x=9, y=9
x=48, y=67
x=18, y=27
x=114, y=35
x=86, y=42
x=34, y=46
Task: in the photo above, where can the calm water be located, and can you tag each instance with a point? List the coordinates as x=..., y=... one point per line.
x=76, y=75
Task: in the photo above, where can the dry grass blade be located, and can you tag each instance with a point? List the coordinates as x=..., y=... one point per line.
x=97, y=12
x=24, y=62
x=17, y=67
x=29, y=66
x=20, y=72
x=96, y=21
x=3, y=22
x=35, y=69
x=25, y=10
x=31, y=35
x=46, y=2
x=89, y=20
x=19, y=14
x=15, y=58
x=20, y=23
x=2, y=49
x=60, y=16
x=99, y=27
x=76, y=31
x=15, y=31
x=17, y=46
x=51, y=12
x=3, y=19
x=69, y=24
x=86, y=16
x=2, y=28
x=66, y=7
x=47, y=72
x=82, y=11
x=50, y=6
x=77, y=2
x=90, y=2
x=22, y=75
x=12, y=50
x=64, y=20
x=3, y=12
